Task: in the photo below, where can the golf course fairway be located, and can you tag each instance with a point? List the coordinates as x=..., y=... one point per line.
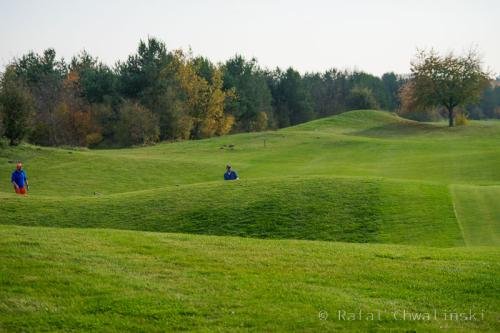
x=362, y=221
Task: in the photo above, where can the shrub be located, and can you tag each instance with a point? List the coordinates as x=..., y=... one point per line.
x=461, y=119
x=136, y=125
x=361, y=98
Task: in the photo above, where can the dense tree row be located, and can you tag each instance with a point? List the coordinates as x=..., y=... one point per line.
x=158, y=94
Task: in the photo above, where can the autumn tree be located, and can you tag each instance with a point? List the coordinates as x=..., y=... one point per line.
x=447, y=81
x=203, y=100
x=75, y=120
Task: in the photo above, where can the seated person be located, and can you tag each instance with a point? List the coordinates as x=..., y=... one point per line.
x=230, y=174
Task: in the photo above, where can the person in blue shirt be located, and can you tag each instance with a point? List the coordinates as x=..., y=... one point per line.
x=19, y=179
x=230, y=174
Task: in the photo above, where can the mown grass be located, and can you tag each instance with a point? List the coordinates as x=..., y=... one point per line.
x=360, y=177
x=109, y=280
x=478, y=213
x=397, y=174
x=466, y=155
x=316, y=208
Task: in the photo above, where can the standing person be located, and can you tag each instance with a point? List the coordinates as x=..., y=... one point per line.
x=19, y=179
x=230, y=174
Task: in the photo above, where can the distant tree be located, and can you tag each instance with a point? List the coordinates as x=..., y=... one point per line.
x=291, y=98
x=409, y=108
x=76, y=125
x=203, y=68
x=2, y=131
x=448, y=81
x=197, y=104
x=361, y=98
x=97, y=81
x=252, y=102
x=16, y=105
x=84, y=102
x=392, y=84
x=44, y=76
x=374, y=84
x=139, y=76
x=328, y=91
x=489, y=102
x=136, y=125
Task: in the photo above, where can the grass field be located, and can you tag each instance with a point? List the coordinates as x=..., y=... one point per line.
x=360, y=211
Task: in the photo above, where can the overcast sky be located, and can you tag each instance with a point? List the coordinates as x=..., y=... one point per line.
x=376, y=36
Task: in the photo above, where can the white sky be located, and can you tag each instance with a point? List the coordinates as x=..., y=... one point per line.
x=376, y=36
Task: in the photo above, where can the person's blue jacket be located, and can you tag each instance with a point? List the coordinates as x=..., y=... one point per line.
x=19, y=177
x=230, y=175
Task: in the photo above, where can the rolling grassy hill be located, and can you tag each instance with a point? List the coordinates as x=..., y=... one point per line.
x=109, y=280
x=423, y=195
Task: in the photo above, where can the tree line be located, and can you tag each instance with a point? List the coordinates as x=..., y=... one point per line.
x=158, y=95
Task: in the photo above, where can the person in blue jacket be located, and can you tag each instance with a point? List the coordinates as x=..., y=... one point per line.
x=19, y=180
x=230, y=174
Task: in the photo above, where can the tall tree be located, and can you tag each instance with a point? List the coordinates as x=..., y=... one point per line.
x=392, y=84
x=448, y=81
x=139, y=76
x=291, y=100
x=252, y=106
x=44, y=76
x=97, y=81
x=16, y=105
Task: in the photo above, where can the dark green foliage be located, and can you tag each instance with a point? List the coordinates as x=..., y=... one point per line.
x=488, y=106
x=43, y=75
x=15, y=107
x=98, y=82
x=373, y=84
x=392, y=83
x=361, y=98
x=328, y=91
x=291, y=99
x=136, y=125
x=253, y=96
x=204, y=68
x=139, y=76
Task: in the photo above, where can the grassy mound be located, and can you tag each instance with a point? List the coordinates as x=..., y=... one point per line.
x=316, y=208
x=110, y=280
x=362, y=176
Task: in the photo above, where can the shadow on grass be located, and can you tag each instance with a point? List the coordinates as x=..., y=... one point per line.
x=403, y=128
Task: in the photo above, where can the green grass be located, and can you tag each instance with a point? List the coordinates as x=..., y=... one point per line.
x=420, y=199
x=100, y=279
x=316, y=208
x=478, y=213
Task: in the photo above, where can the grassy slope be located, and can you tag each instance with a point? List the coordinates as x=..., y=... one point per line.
x=317, y=208
x=478, y=213
x=74, y=279
x=352, y=144
x=359, y=177
x=284, y=196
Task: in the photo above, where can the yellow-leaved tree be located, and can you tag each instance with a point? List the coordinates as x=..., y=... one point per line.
x=203, y=100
